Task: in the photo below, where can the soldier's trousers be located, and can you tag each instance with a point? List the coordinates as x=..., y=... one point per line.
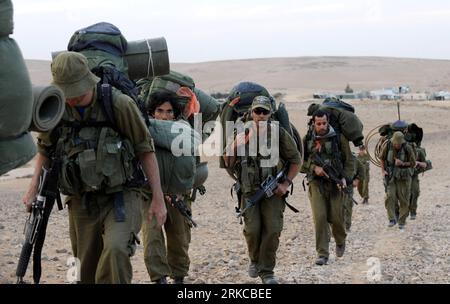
x=348, y=210
x=398, y=191
x=327, y=205
x=415, y=192
x=363, y=186
x=173, y=260
x=103, y=245
x=263, y=224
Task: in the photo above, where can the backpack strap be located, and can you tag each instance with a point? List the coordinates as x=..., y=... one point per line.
x=105, y=99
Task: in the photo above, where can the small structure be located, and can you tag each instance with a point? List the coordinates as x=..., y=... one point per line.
x=441, y=95
x=385, y=94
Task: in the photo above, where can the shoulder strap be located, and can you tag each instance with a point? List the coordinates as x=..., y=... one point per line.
x=104, y=92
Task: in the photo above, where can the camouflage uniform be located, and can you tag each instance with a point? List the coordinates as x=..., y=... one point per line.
x=167, y=259
x=398, y=182
x=415, y=186
x=358, y=174
x=363, y=186
x=327, y=202
x=96, y=165
x=263, y=222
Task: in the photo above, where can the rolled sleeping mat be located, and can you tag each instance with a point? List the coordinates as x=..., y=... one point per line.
x=48, y=108
x=146, y=58
x=201, y=174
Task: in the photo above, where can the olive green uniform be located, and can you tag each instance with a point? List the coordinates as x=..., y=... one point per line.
x=415, y=185
x=363, y=186
x=327, y=202
x=398, y=183
x=263, y=222
x=358, y=174
x=173, y=260
x=96, y=166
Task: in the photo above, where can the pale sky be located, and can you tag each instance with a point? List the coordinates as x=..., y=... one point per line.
x=200, y=30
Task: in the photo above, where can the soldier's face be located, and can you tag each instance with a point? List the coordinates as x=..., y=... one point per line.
x=80, y=101
x=321, y=125
x=397, y=146
x=164, y=112
x=260, y=114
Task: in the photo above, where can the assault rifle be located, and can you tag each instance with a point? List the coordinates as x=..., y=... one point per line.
x=180, y=205
x=332, y=175
x=36, y=224
x=267, y=189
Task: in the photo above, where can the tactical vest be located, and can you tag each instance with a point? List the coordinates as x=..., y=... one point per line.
x=251, y=173
x=330, y=153
x=398, y=173
x=94, y=155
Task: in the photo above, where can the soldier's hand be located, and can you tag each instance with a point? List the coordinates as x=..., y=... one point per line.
x=158, y=210
x=344, y=183
x=30, y=196
x=282, y=189
x=398, y=163
x=422, y=165
x=319, y=171
x=356, y=183
x=384, y=173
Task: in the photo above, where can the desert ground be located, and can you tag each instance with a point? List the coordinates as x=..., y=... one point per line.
x=419, y=254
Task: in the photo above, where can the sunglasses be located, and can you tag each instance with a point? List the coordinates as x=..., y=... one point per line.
x=259, y=111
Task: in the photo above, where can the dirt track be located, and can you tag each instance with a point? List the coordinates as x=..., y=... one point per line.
x=420, y=254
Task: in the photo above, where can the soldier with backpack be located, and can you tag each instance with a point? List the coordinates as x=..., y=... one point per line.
x=397, y=167
x=264, y=220
x=99, y=171
x=329, y=166
x=167, y=259
x=363, y=185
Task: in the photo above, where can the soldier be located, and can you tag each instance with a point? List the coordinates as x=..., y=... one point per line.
x=397, y=163
x=325, y=152
x=358, y=176
x=97, y=171
x=421, y=165
x=263, y=221
x=363, y=185
x=172, y=259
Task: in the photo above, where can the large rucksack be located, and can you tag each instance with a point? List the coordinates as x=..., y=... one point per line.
x=103, y=45
x=16, y=98
x=177, y=172
x=342, y=118
x=413, y=133
x=171, y=83
x=238, y=104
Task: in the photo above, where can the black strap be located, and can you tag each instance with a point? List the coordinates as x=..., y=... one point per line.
x=119, y=207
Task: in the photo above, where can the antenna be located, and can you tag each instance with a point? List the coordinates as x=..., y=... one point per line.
x=398, y=109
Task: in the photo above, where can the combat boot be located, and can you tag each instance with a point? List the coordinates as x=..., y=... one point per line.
x=321, y=261
x=392, y=223
x=412, y=216
x=253, y=270
x=178, y=280
x=270, y=280
x=340, y=249
x=162, y=280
